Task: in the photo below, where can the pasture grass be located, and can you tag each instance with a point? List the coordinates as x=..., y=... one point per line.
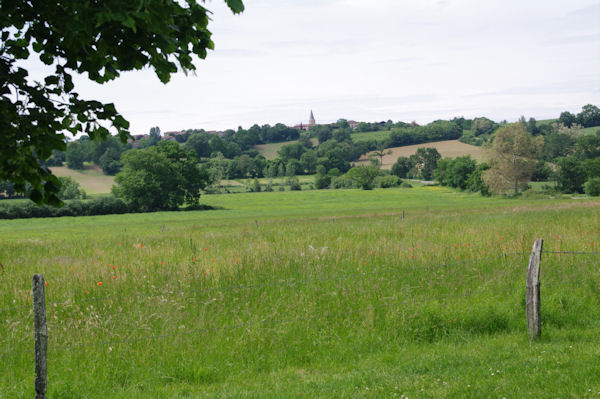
x=367, y=136
x=316, y=294
x=91, y=179
x=590, y=130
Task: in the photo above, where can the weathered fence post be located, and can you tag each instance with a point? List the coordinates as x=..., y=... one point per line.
x=40, y=335
x=534, y=320
x=402, y=215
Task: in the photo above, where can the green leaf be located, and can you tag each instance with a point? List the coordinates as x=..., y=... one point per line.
x=36, y=196
x=37, y=47
x=46, y=58
x=120, y=122
x=235, y=5
x=51, y=80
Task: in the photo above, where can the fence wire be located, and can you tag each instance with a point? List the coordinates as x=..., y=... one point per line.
x=570, y=252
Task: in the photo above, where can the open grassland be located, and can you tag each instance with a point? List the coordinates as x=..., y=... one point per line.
x=91, y=179
x=590, y=130
x=366, y=136
x=316, y=294
x=448, y=149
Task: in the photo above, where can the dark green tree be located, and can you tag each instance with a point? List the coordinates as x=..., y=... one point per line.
x=199, y=143
x=70, y=189
x=455, y=172
x=475, y=182
x=532, y=127
x=592, y=187
x=401, y=167
x=592, y=167
x=291, y=151
x=309, y=161
x=567, y=118
x=589, y=116
x=425, y=162
x=110, y=162
x=160, y=178
x=154, y=137
x=557, y=145
x=364, y=176
x=322, y=180
x=100, y=40
x=588, y=146
x=323, y=133
x=483, y=126
x=149, y=181
x=571, y=175
x=513, y=156
x=75, y=155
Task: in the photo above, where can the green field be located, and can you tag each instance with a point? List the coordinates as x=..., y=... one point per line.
x=312, y=294
x=366, y=136
x=590, y=130
x=91, y=179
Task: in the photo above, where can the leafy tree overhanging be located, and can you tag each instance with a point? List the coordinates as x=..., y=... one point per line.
x=97, y=38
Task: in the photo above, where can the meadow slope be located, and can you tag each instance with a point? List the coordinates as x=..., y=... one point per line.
x=447, y=148
x=91, y=179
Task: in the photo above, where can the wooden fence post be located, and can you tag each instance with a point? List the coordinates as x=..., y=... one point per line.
x=40, y=335
x=534, y=320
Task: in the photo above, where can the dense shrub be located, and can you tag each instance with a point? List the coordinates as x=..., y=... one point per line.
x=96, y=206
x=294, y=183
x=322, y=181
x=70, y=189
x=592, y=187
x=343, y=182
x=435, y=131
x=387, y=181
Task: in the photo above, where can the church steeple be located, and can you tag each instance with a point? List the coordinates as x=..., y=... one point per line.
x=311, y=120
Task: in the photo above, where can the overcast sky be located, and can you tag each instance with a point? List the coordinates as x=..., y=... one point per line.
x=372, y=60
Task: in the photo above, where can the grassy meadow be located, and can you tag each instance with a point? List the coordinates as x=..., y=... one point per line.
x=312, y=294
x=91, y=179
x=366, y=136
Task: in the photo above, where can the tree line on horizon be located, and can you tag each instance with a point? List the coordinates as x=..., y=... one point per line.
x=178, y=171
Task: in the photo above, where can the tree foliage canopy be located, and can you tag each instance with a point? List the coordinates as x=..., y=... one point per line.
x=513, y=155
x=160, y=178
x=100, y=39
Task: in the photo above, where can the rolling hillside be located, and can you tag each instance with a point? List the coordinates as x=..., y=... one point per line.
x=448, y=149
x=91, y=179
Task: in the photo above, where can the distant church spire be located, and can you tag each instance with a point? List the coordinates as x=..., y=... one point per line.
x=311, y=120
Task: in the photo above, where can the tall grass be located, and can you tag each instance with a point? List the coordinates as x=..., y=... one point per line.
x=307, y=294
